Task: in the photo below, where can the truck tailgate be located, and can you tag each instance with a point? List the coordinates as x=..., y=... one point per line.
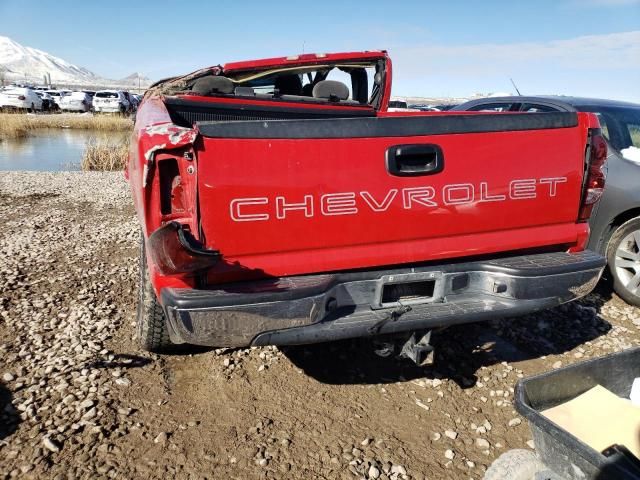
x=287, y=197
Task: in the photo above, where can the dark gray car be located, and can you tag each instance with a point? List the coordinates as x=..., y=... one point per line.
x=615, y=224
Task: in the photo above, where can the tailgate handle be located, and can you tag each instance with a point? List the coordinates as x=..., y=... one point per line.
x=414, y=160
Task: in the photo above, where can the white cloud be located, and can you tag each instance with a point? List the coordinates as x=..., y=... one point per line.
x=610, y=51
x=606, y=66
x=607, y=3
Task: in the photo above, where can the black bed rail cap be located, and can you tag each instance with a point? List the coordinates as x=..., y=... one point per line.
x=409, y=126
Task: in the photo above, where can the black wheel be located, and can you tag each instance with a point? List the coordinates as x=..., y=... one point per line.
x=515, y=464
x=623, y=256
x=153, y=334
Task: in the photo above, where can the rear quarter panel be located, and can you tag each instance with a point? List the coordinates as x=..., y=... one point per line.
x=152, y=117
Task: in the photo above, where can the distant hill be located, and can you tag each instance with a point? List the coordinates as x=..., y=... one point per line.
x=26, y=64
x=136, y=78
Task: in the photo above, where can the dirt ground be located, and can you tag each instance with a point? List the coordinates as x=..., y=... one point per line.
x=79, y=399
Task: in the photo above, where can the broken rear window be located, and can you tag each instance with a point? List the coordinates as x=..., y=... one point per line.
x=345, y=83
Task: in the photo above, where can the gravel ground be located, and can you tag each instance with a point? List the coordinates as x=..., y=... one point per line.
x=78, y=399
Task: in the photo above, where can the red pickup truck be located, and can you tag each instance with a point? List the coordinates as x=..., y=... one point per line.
x=281, y=203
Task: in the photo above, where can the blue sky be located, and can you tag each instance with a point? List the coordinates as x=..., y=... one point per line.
x=452, y=48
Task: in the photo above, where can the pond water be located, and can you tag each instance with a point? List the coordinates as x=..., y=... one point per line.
x=51, y=149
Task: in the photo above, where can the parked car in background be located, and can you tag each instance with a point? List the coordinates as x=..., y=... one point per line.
x=111, y=101
x=615, y=223
x=424, y=108
x=135, y=101
x=445, y=108
x=48, y=103
x=21, y=98
x=398, y=104
x=57, y=95
x=76, y=102
x=132, y=103
x=91, y=93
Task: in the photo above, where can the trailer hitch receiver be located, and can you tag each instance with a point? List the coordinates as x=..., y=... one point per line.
x=418, y=348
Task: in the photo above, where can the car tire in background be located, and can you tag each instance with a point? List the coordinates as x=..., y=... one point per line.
x=623, y=256
x=151, y=323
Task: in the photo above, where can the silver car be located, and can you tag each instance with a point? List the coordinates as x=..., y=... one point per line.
x=21, y=98
x=76, y=102
x=615, y=224
x=111, y=101
x=57, y=96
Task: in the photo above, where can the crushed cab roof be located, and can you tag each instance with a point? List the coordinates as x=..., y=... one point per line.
x=271, y=63
x=304, y=59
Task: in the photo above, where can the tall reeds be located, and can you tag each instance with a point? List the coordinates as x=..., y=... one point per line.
x=104, y=156
x=16, y=125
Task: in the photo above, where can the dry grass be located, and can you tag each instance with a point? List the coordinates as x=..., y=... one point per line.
x=104, y=156
x=13, y=126
x=16, y=125
x=103, y=123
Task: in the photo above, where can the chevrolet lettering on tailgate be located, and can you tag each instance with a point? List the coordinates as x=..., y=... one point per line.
x=348, y=203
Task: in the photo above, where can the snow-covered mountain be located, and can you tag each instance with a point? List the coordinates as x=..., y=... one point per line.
x=20, y=63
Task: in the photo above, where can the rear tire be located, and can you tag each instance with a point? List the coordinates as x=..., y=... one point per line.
x=515, y=464
x=623, y=256
x=153, y=333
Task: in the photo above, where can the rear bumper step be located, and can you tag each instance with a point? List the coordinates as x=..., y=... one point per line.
x=318, y=308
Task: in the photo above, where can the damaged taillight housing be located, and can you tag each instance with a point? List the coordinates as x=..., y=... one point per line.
x=595, y=173
x=171, y=188
x=174, y=250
